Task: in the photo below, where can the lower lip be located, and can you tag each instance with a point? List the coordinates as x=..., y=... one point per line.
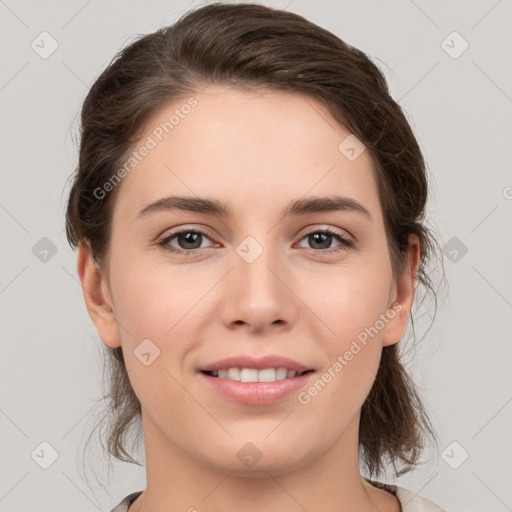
x=257, y=393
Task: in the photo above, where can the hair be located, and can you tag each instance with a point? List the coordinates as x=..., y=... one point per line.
x=250, y=46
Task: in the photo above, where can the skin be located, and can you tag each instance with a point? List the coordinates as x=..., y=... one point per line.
x=256, y=151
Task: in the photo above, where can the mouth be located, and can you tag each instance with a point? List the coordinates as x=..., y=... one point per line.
x=254, y=375
x=256, y=387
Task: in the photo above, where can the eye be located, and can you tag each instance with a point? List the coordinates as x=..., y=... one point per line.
x=189, y=241
x=322, y=239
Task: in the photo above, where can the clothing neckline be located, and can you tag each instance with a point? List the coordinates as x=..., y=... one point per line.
x=129, y=500
x=409, y=500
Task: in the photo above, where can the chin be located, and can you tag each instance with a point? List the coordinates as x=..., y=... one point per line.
x=259, y=458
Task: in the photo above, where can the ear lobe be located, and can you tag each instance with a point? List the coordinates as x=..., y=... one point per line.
x=405, y=291
x=97, y=298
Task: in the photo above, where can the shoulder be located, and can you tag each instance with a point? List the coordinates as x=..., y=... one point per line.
x=413, y=502
x=410, y=501
x=123, y=505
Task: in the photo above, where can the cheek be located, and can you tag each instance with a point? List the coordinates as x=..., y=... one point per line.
x=153, y=312
x=349, y=305
x=159, y=302
x=347, y=300
x=151, y=298
x=352, y=345
x=161, y=313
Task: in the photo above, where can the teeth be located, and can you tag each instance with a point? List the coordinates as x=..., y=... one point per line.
x=282, y=373
x=253, y=375
x=233, y=374
x=248, y=375
x=267, y=375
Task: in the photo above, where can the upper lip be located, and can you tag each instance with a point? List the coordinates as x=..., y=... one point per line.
x=246, y=361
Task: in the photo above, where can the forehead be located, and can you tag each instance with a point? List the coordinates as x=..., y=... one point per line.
x=257, y=145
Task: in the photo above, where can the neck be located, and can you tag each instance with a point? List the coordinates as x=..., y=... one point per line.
x=332, y=481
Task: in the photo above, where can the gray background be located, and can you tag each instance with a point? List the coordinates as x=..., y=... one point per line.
x=460, y=107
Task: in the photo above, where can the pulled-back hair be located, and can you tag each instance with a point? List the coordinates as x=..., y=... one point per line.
x=250, y=46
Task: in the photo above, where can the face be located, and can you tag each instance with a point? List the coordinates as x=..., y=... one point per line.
x=191, y=288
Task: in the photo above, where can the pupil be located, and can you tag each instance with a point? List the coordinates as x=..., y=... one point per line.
x=324, y=236
x=190, y=238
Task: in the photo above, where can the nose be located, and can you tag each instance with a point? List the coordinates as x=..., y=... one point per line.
x=258, y=294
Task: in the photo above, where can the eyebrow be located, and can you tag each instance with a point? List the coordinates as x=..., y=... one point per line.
x=296, y=207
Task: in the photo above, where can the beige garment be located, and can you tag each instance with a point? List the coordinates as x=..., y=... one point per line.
x=409, y=500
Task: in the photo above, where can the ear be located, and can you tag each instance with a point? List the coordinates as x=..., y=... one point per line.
x=98, y=298
x=405, y=289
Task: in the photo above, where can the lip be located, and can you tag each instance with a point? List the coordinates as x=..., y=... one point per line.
x=256, y=393
x=245, y=361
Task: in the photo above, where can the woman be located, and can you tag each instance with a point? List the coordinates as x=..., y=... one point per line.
x=248, y=211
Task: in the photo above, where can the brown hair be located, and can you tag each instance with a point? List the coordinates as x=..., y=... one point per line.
x=249, y=46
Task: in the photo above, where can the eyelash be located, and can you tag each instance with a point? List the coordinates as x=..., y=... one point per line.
x=345, y=243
